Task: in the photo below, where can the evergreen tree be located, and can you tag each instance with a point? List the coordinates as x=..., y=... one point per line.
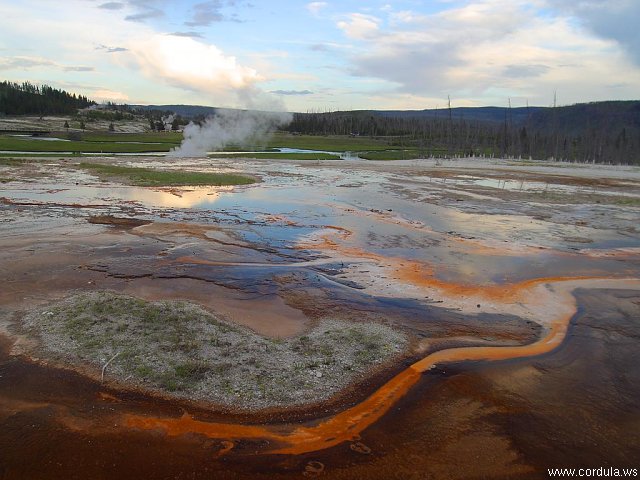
x=29, y=99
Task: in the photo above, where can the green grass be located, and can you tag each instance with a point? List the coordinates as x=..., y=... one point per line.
x=410, y=154
x=34, y=155
x=30, y=145
x=629, y=201
x=145, y=177
x=278, y=155
x=24, y=157
x=390, y=155
x=105, y=143
x=331, y=143
x=156, y=137
x=372, y=148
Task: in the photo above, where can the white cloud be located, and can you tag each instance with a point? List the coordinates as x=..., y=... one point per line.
x=487, y=49
x=475, y=50
x=614, y=19
x=360, y=26
x=26, y=63
x=23, y=62
x=106, y=95
x=187, y=63
x=144, y=65
x=316, y=7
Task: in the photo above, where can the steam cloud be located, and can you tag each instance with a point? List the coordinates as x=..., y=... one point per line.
x=167, y=121
x=229, y=127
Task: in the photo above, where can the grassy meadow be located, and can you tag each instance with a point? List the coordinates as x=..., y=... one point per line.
x=146, y=177
x=109, y=143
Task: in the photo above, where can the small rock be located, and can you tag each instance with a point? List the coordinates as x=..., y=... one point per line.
x=319, y=374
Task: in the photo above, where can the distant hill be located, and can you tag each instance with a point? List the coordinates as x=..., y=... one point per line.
x=603, y=117
x=488, y=114
x=517, y=115
x=572, y=120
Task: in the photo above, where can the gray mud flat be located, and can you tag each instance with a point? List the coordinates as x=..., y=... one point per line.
x=180, y=349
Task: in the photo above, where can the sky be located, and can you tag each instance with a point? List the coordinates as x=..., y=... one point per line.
x=327, y=55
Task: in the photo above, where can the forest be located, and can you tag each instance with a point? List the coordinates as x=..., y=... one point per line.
x=27, y=98
x=599, y=132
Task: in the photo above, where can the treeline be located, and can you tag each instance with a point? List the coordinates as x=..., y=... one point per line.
x=30, y=99
x=604, y=132
x=159, y=120
x=111, y=112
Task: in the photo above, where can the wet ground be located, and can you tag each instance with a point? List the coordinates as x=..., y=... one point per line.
x=458, y=257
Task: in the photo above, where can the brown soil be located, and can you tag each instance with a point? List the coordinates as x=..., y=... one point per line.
x=117, y=221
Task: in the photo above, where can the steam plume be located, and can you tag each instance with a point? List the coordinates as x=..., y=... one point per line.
x=229, y=127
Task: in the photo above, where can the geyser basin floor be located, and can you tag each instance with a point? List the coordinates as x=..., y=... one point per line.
x=469, y=269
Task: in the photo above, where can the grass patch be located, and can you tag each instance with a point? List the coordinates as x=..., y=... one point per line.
x=146, y=177
x=331, y=143
x=390, y=155
x=179, y=348
x=31, y=145
x=24, y=157
x=410, y=154
x=102, y=142
x=173, y=138
x=629, y=201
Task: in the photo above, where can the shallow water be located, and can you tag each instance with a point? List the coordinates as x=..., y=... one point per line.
x=341, y=155
x=46, y=139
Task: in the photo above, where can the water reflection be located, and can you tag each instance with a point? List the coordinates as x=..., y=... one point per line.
x=177, y=197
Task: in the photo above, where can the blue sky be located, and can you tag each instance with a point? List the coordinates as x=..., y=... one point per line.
x=303, y=56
